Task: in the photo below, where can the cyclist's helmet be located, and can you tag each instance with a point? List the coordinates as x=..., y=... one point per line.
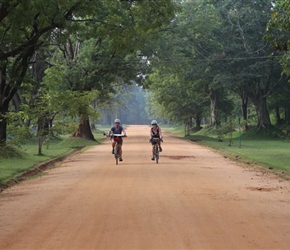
x=117, y=121
x=154, y=122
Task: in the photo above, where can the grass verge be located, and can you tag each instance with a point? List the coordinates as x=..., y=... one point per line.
x=268, y=152
x=16, y=161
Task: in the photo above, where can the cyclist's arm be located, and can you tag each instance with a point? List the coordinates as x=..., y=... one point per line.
x=122, y=131
x=160, y=133
x=110, y=132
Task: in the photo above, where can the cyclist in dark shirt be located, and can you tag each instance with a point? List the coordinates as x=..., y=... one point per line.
x=155, y=132
x=117, y=129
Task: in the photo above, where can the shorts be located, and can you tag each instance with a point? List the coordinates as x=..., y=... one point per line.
x=153, y=142
x=118, y=139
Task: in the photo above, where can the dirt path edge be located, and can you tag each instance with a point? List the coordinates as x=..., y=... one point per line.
x=39, y=168
x=243, y=162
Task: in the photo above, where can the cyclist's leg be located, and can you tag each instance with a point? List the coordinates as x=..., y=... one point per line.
x=120, y=150
x=113, y=147
x=159, y=145
x=153, y=153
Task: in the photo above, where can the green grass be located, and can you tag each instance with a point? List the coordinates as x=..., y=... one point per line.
x=256, y=146
x=15, y=161
x=178, y=130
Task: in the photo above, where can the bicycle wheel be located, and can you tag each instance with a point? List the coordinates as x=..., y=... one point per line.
x=117, y=153
x=156, y=152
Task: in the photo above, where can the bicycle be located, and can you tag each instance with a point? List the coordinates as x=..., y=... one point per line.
x=117, y=138
x=155, y=142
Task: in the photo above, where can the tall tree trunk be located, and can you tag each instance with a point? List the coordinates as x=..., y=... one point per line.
x=198, y=122
x=93, y=126
x=3, y=124
x=3, y=104
x=16, y=102
x=262, y=112
x=245, y=101
x=214, y=118
x=186, y=126
x=84, y=129
x=42, y=131
x=10, y=80
x=198, y=118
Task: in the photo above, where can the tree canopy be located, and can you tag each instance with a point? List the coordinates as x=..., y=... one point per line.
x=28, y=26
x=223, y=59
x=201, y=62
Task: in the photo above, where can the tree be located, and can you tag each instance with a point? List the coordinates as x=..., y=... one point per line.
x=26, y=26
x=185, y=61
x=278, y=32
x=255, y=73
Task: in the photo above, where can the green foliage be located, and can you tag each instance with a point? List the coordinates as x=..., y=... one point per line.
x=262, y=149
x=267, y=152
x=15, y=161
x=264, y=134
x=19, y=133
x=184, y=71
x=107, y=36
x=278, y=32
x=216, y=61
x=8, y=152
x=225, y=129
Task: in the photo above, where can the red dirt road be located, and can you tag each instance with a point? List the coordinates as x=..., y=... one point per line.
x=193, y=199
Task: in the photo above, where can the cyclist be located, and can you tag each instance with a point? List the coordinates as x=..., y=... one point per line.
x=155, y=132
x=117, y=129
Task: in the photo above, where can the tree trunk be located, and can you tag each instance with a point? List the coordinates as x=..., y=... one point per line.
x=16, y=102
x=43, y=125
x=84, y=129
x=42, y=131
x=198, y=122
x=214, y=118
x=198, y=118
x=245, y=101
x=262, y=112
x=93, y=126
x=3, y=105
x=3, y=124
x=40, y=143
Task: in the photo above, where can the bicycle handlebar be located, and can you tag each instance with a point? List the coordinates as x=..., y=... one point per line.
x=114, y=135
x=119, y=135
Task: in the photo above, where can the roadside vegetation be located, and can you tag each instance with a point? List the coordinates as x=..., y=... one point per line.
x=15, y=160
x=68, y=65
x=225, y=75
x=252, y=148
x=235, y=65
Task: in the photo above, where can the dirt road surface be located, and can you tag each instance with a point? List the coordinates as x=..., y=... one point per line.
x=193, y=199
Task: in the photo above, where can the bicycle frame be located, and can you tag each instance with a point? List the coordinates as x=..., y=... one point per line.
x=156, y=149
x=116, y=148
